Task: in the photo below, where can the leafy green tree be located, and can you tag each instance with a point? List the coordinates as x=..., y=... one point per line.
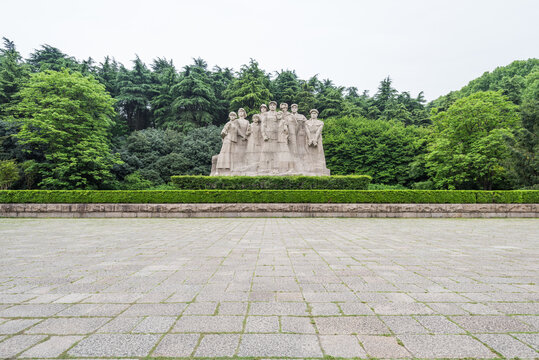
x=285, y=87
x=13, y=73
x=157, y=154
x=9, y=173
x=379, y=148
x=250, y=89
x=525, y=152
x=470, y=145
x=135, y=94
x=509, y=79
x=67, y=117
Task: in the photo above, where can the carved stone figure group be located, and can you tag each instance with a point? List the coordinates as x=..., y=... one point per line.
x=274, y=143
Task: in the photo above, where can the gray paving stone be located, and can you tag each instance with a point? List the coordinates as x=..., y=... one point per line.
x=404, y=325
x=479, y=309
x=356, y=309
x=155, y=324
x=445, y=346
x=180, y=345
x=491, y=324
x=439, y=325
x=346, y=346
x=93, y=310
x=18, y=343
x=120, y=325
x=201, y=308
x=112, y=345
x=350, y=325
x=232, y=308
x=218, y=345
x=52, y=347
x=205, y=324
x=530, y=339
x=262, y=324
x=279, y=345
x=508, y=346
x=324, y=309
x=298, y=325
x=401, y=309
x=32, y=310
x=16, y=325
x=383, y=347
x=278, y=308
x=154, y=309
x=298, y=268
x=68, y=326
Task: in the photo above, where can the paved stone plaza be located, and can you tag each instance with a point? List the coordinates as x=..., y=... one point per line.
x=269, y=288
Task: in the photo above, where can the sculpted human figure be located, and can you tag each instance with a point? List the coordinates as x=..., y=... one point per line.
x=284, y=157
x=269, y=130
x=243, y=124
x=292, y=126
x=263, y=111
x=229, y=134
x=301, y=137
x=254, y=145
x=315, y=149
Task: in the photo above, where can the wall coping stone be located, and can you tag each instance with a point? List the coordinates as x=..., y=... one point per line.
x=269, y=210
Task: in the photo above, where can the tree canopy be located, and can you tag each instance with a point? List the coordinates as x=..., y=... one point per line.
x=69, y=123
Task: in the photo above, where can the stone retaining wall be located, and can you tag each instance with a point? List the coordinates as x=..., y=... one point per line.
x=269, y=210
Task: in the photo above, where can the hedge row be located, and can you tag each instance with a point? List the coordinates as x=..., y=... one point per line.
x=336, y=182
x=269, y=196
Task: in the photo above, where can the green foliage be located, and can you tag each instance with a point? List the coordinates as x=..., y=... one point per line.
x=270, y=196
x=157, y=154
x=509, y=79
x=470, y=142
x=51, y=58
x=350, y=182
x=135, y=92
x=381, y=149
x=66, y=117
x=525, y=151
x=249, y=89
x=9, y=173
x=285, y=87
x=194, y=97
x=13, y=73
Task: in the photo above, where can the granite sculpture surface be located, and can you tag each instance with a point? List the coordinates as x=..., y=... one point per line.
x=274, y=143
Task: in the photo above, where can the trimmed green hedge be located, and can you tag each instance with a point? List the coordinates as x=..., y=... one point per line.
x=337, y=182
x=270, y=196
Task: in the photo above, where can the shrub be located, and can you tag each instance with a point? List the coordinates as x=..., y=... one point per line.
x=351, y=182
x=269, y=196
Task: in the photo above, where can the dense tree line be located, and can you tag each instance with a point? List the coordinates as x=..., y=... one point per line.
x=71, y=124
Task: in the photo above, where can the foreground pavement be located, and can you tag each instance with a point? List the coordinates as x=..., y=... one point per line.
x=269, y=288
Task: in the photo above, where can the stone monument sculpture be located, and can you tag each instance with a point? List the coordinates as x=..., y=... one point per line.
x=274, y=143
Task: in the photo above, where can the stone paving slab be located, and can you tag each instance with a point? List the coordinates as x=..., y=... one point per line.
x=269, y=288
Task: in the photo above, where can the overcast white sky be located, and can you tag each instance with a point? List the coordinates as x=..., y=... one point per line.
x=430, y=45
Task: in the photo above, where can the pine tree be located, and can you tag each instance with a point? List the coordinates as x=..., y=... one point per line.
x=51, y=58
x=195, y=98
x=285, y=87
x=13, y=73
x=250, y=89
x=135, y=93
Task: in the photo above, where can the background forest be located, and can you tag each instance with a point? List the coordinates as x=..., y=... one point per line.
x=70, y=124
